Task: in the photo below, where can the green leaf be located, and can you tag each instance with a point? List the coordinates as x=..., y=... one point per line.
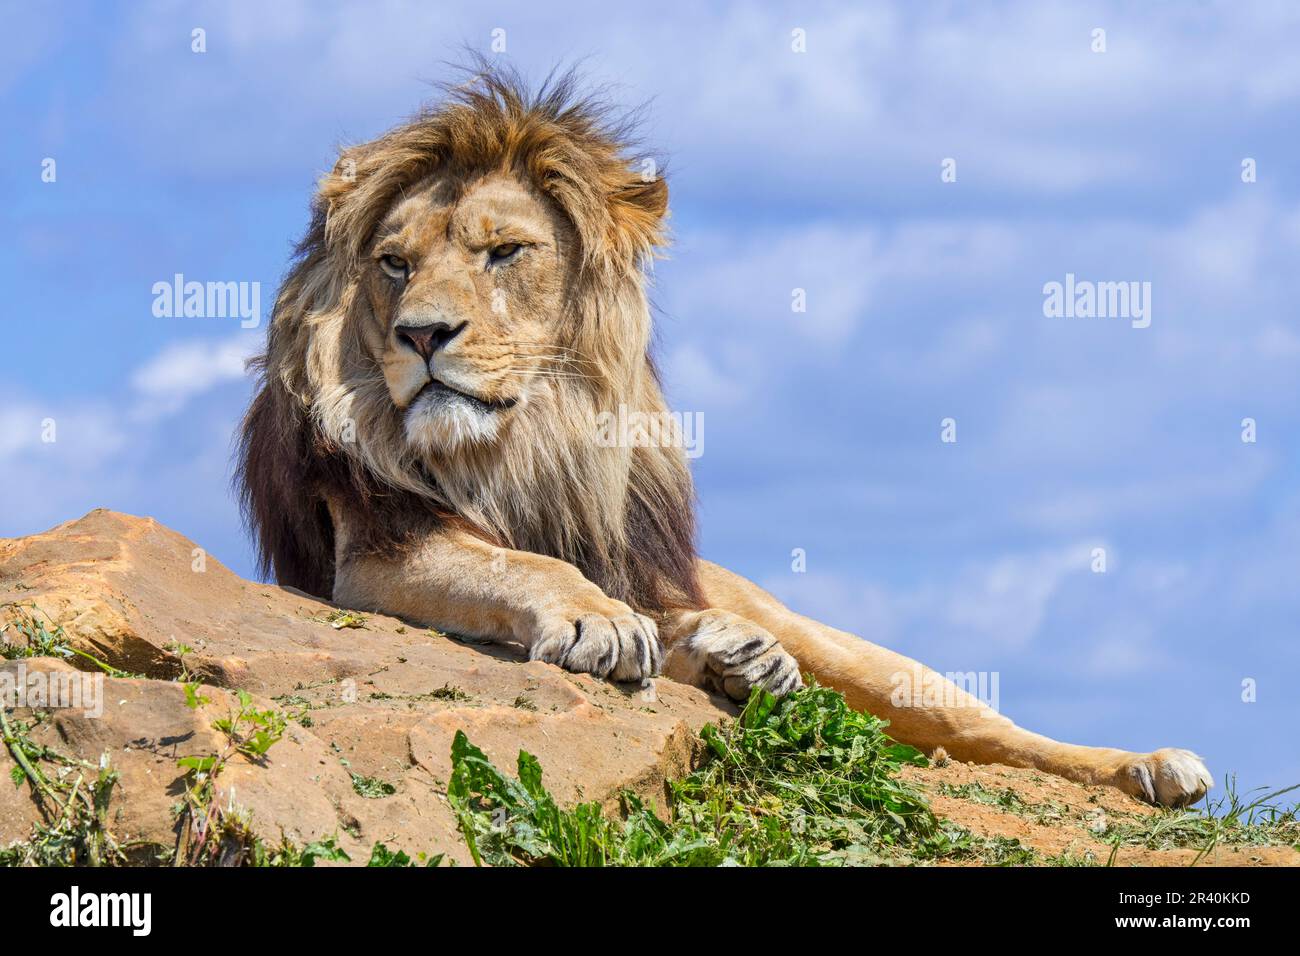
x=323, y=850
x=193, y=699
x=803, y=781
x=372, y=788
x=197, y=764
x=380, y=855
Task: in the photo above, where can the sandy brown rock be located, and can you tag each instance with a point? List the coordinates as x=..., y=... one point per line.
x=1062, y=819
x=145, y=727
x=384, y=702
x=381, y=701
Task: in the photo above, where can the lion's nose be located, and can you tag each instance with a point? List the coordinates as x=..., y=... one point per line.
x=427, y=339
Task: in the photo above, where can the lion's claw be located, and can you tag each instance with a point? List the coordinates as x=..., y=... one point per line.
x=731, y=655
x=1168, y=777
x=620, y=645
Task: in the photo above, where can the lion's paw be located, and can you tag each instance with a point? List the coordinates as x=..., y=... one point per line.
x=1167, y=777
x=731, y=655
x=615, y=642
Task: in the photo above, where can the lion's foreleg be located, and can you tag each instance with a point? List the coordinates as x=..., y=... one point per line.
x=726, y=653
x=455, y=582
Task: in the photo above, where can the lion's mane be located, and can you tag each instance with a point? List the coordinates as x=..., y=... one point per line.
x=322, y=424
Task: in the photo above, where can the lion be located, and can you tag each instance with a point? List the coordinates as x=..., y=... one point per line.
x=469, y=298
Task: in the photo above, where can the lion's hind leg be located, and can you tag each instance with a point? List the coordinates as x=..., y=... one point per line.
x=931, y=711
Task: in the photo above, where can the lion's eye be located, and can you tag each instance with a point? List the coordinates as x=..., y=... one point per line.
x=395, y=266
x=504, y=252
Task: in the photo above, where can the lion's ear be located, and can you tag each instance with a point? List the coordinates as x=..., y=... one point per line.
x=637, y=212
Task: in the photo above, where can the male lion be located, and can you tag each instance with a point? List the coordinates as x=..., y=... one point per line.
x=468, y=299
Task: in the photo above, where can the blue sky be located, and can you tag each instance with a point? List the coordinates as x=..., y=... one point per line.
x=817, y=170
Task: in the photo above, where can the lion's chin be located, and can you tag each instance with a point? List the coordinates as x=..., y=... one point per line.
x=443, y=420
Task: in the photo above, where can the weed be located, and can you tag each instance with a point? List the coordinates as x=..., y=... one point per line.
x=209, y=834
x=372, y=788
x=803, y=781
x=40, y=641
x=448, y=692
x=286, y=854
x=339, y=619
x=180, y=650
x=380, y=855
x=1229, y=820
x=74, y=831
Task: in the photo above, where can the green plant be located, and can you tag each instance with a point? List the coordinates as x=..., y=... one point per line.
x=207, y=833
x=287, y=854
x=74, y=831
x=448, y=692
x=40, y=641
x=181, y=650
x=372, y=787
x=380, y=855
x=802, y=781
x=1229, y=820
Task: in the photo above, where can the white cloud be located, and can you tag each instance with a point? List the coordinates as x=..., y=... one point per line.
x=1125, y=655
x=118, y=451
x=185, y=370
x=989, y=604
x=747, y=285
x=77, y=434
x=694, y=379
x=1015, y=92
x=1004, y=601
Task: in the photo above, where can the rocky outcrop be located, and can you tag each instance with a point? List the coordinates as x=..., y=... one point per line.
x=370, y=707
x=373, y=703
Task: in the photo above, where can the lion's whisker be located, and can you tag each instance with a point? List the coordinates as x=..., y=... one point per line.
x=554, y=355
x=557, y=359
x=542, y=373
x=570, y=354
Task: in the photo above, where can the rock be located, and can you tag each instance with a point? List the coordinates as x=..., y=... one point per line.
x=382, y=700
x=1077, y=823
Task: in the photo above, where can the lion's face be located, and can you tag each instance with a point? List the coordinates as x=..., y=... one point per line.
x=466, y=283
